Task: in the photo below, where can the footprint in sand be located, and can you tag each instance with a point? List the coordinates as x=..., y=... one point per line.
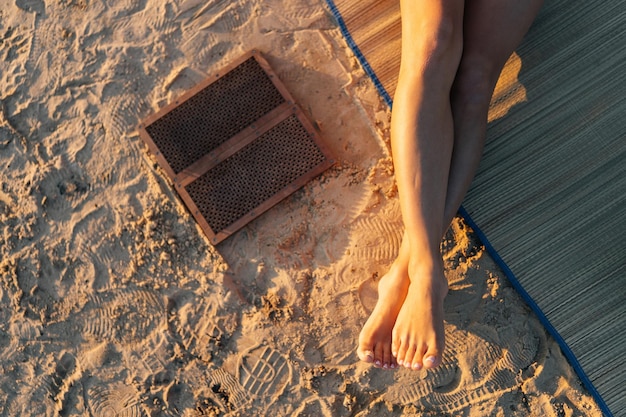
x=463, y=379
x=48, y=395
x=368, y=294
x=96, y=250
x=24, y=330
x=123, y=316
x=123, y=111
x=204, y=49
x=122, y=8
x=303, y=11
x=199, y=327
x=45, y=57
x=374, y=243
x=115, y=400
x=376, y=239
x=8, y=133
x=232, y=18
x=62, y=191
x=14, y=48
x=263, y=370
x=263, y=373
x=232, y=395
x=214, y=16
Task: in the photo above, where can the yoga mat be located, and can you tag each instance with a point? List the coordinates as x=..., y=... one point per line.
x=549, y=199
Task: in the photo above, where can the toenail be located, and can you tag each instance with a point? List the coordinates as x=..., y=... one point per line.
x=417, y=366
x=385, y=366
x=399, y=362
x=377, y=363
x=431, y=360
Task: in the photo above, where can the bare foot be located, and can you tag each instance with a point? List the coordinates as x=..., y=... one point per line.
x=418, y=333
x=375, y=337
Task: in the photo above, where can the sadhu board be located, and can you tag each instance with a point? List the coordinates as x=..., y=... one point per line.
x=235, y=145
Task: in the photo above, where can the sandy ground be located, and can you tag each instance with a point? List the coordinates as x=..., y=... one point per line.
x=114, y=303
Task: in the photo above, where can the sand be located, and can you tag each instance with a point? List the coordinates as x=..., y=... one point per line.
x=113, y=302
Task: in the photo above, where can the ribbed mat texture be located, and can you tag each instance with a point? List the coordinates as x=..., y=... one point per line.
x=550, y=195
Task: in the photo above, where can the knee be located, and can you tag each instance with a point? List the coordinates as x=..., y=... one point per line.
x=474, y=82
x=437, y=47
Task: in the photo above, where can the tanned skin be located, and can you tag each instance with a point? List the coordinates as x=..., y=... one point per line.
x=452, y=54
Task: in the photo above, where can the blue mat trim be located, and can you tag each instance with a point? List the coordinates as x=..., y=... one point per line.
x=357, y=52
x=537, y=310
x=483, y=238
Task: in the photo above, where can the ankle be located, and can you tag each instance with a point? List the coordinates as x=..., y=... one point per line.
x=396, y=278
x=427, y=248
x=425, y=264
x=428, y=272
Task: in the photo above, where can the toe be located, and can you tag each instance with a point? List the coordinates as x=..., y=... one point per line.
x=387, y=358
x=431, y=361
x=366, y=354
x=401, y=353
x=433, y=356
x=398, y=347
x=378, y=355
x=416, y=360
x=408, y=356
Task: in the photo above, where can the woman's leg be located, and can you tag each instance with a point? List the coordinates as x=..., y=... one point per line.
x=422, y=138
x=492, y=29
x=409, y=302
x=421, y=141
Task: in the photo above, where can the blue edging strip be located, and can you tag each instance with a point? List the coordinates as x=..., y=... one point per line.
x=483, y=238
x=357, y=52
x=537, y=310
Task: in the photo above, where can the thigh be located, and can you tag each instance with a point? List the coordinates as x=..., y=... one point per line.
x=422, y=16
x=494, y=28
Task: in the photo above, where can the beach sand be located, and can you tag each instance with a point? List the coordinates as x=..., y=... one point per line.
x=113, y=301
